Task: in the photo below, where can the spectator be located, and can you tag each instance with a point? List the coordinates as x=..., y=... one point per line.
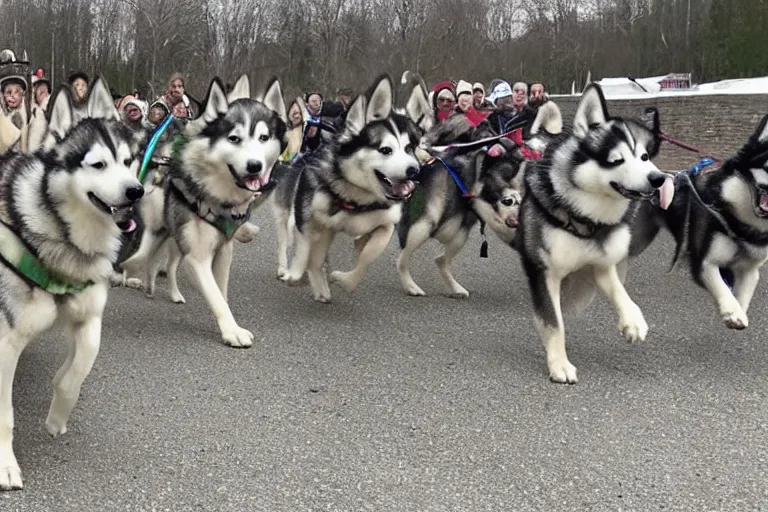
x=443, y=101
x=174, y=95
x=511, y=109
x=41, y=88
x=478, y=97
x=78, y=83
x=132, y=112
x=157, y=112
x=464, y=104
x=294, y=132
x=13, y=100
x=538, y=97
x=312, y=136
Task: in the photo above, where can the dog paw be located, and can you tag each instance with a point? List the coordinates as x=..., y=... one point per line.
x=343, y=280
x=736, y=320
x=177, y=298
x=55, y=426
x=324, y=299
x=10, y=477
x=237, y=337
x=134, y=283
x=247, y=232
x=634, y=328
x=458, y=293
x=291, y=279
x=414, y=291
x=563, y=373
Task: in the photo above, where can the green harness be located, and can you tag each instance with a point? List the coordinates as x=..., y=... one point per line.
x=15, y=255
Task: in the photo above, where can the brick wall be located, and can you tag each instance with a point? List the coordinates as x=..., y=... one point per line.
x=718, y=124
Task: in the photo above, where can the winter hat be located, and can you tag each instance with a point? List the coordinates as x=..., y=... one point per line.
x=132, y=100
x=478, y=87
x=521, y=85
x=75, y=75
x=463, y=88
x=501, y=90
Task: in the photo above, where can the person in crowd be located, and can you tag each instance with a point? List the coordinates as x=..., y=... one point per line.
x=538, y=96
x=176, y=94
x=79, y=83
x=13, y=89
x=478, y=98
x=443, y=101
x=41, y=88
x=294, y=132
x=157, y=112
x=464, y=104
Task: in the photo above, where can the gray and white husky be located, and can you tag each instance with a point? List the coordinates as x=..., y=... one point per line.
x=719, y=220
x=63, y=210
x=438, y=208
x=575, y=219
x=221, y=169
x=356, y=185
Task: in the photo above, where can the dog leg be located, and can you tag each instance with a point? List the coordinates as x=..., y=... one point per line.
x=10, y=473
x=86, y=338
x=231, y=333
x=137, y=263
x=283, y=242
x=174, y=259
x=548, y=319
x=315, y=271
x=632, y=324
x=732, y=313
x=745, y=285
x=154, y=264
x=246, y=232
x=417, y=234
x=221, y=265
x=443, y=261
x=300, y=260
x=379, y=240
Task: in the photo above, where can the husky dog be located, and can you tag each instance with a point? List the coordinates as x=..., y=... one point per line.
x=416, y=101
x=438, y=209
x=356, y=185
x=575, y=220
x=62, y=211
x=221, y=168
x=719, y=220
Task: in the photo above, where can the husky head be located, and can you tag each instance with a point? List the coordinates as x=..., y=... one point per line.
x=497, y=175
x=97, y=154
x=237, y=140
x=614, y=155
x=376, y=147
x=751, y=165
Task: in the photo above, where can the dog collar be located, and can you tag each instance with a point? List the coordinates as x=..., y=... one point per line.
x=226, y=224
x=15, y=255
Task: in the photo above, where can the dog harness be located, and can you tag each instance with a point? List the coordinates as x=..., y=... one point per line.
x=15, y=255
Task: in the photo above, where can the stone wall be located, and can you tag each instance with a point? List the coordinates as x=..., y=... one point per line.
x=719, y=125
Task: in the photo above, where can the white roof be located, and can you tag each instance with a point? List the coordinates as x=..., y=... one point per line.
x=625, y=89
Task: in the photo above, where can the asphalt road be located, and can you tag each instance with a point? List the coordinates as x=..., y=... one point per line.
x=384, y=402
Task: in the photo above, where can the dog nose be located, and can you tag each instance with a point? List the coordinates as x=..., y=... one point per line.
x=657, y=179
x=412, y=173
x=253, y=167
x=134, y=193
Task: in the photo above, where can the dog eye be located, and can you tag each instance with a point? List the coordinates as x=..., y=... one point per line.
x=127, y=162
x=508, y=201
x=98, y=165
x=644, y=157
x=234, y=139
x=385, y=150
x=615, y=163
x=263, y=138
x=409, y=148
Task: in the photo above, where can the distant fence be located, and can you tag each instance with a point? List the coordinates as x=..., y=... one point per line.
x=719, y=124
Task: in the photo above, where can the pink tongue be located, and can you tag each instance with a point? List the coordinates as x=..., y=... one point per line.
x=131, y=226
x=764, y=201
x=666, y=193
x=496, y=151
x=403, y=189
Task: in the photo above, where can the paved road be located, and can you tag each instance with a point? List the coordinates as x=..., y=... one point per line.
x=384, y=402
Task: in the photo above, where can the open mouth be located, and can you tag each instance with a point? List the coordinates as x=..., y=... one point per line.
x=260, y=183
x=761, y=202
x=398, y=190
x=632, y=194
x=122, y=214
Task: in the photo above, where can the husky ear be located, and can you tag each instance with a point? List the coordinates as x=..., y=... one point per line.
x=100, y=103
x=417, y=107
x=273, y=99
x=216, y=103
x=241, y=89
x=303, y=107
x=61, y=116
x=762, y=130
x=356, y=116
x=548, y=118
x=591, y=110
x=380, y=103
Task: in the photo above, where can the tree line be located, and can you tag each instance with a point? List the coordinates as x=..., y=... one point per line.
x=324, y=44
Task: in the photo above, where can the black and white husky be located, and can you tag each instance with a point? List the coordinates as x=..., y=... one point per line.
x=719, y=220
x=439, y=208
x=356, y=185
x=220, y=170
x=63, y=210
x=575, y=219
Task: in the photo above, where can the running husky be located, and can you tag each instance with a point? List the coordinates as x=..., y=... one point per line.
x=439, y=210
x=356, y=185
x=575, y=220
x=62, y=211
x=221, y=169
x=720, y=222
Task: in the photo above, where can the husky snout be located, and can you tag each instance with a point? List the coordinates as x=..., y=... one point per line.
x=657, y=179
x=134, y=192
x=253, y=167
x=412, y=173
